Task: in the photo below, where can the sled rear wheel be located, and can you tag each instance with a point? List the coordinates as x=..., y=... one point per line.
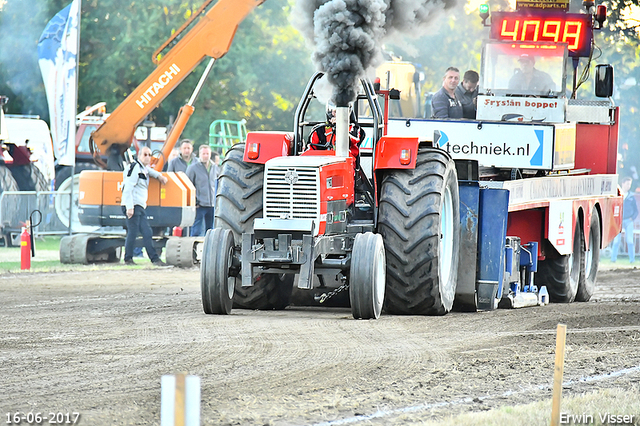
x=587, y=284
x=562, y=274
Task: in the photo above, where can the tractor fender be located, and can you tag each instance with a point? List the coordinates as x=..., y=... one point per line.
x=263, y=146
x=396, y=152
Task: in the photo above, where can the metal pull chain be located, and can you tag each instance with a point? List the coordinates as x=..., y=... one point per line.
x=325, y=296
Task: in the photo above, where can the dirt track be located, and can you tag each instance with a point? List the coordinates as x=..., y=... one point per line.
x=97, y=343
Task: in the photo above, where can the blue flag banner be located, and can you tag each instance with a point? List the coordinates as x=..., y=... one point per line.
x=58, y=53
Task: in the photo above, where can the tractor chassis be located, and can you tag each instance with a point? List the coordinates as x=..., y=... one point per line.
x=297, y=251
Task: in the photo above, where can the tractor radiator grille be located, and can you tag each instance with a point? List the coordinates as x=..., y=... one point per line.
x=292, y=193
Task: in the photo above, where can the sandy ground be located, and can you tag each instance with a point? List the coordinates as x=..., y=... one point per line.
x=97, y=343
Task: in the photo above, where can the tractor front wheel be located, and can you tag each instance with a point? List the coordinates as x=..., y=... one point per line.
x=367, y=276
x=238, y=203
x=217, y=278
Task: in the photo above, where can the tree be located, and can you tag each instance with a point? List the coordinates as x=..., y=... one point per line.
x=22, y=23
x=264, y=73
x=259, y=79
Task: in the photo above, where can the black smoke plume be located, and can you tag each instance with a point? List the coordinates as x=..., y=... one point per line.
x=347, y=35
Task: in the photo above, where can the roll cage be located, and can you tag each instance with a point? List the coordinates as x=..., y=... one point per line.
x=367, y=111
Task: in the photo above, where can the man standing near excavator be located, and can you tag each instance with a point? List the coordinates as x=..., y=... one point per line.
x=135, y=191
x=204, y=175
x=184, y=160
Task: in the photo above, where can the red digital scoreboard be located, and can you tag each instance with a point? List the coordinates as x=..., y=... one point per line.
x=575, y=29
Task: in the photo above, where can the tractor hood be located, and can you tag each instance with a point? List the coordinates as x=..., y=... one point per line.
x=310, y=159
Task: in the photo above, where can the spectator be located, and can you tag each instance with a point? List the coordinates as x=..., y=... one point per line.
x=175, y=152
x=185, y=159
x=467, y=93
x=629, y=214
x=203, y=175
x=529, y=78
x=216, y=161
x=444, y=103
x=135, y=190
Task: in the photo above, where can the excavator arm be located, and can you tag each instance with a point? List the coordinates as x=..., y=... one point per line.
x=211, y=36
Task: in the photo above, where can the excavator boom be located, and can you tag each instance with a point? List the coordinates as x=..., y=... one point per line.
x=172, y=204
x=211, y=36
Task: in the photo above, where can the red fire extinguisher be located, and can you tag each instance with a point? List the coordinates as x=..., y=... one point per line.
x=25, y=249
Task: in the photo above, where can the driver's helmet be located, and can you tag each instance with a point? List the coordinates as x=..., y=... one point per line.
x=331, y=112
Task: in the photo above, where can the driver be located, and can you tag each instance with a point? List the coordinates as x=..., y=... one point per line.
x=528, y=77
x=323, y=137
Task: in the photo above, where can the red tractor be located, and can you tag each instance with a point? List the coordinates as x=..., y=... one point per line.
x=286, y=215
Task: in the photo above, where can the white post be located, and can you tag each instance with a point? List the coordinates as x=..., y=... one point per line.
x=180, y=400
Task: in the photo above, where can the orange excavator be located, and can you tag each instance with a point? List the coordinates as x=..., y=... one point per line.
x=172, y=204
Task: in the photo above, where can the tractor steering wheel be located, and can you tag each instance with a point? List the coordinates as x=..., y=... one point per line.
x=322, y=146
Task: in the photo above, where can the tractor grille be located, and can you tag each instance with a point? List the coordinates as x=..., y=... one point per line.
x=292, y=193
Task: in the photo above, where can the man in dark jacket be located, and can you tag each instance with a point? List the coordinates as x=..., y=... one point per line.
x=467, y=93
x=204, y=176
x=445, y=103
x=184, y=160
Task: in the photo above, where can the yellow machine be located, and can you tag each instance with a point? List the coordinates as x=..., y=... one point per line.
x=402, y=76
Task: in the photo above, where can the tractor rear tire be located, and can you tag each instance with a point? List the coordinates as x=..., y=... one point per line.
x=238, y=203
x=30, y=178
x=217, y=282
x=587, y=284
x=7, y=182
x=562, y=274
x=419, y=219
x=367, y=276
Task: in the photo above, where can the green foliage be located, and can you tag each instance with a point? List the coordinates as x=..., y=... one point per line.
x=619, y=45
x=263, y=74
x=22, y=23
x=259, y=79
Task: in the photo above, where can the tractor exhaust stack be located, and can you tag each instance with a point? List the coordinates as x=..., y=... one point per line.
x=342, y=131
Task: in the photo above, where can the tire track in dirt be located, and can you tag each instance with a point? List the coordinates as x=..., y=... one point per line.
x=107, y=341
x=471, y=400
